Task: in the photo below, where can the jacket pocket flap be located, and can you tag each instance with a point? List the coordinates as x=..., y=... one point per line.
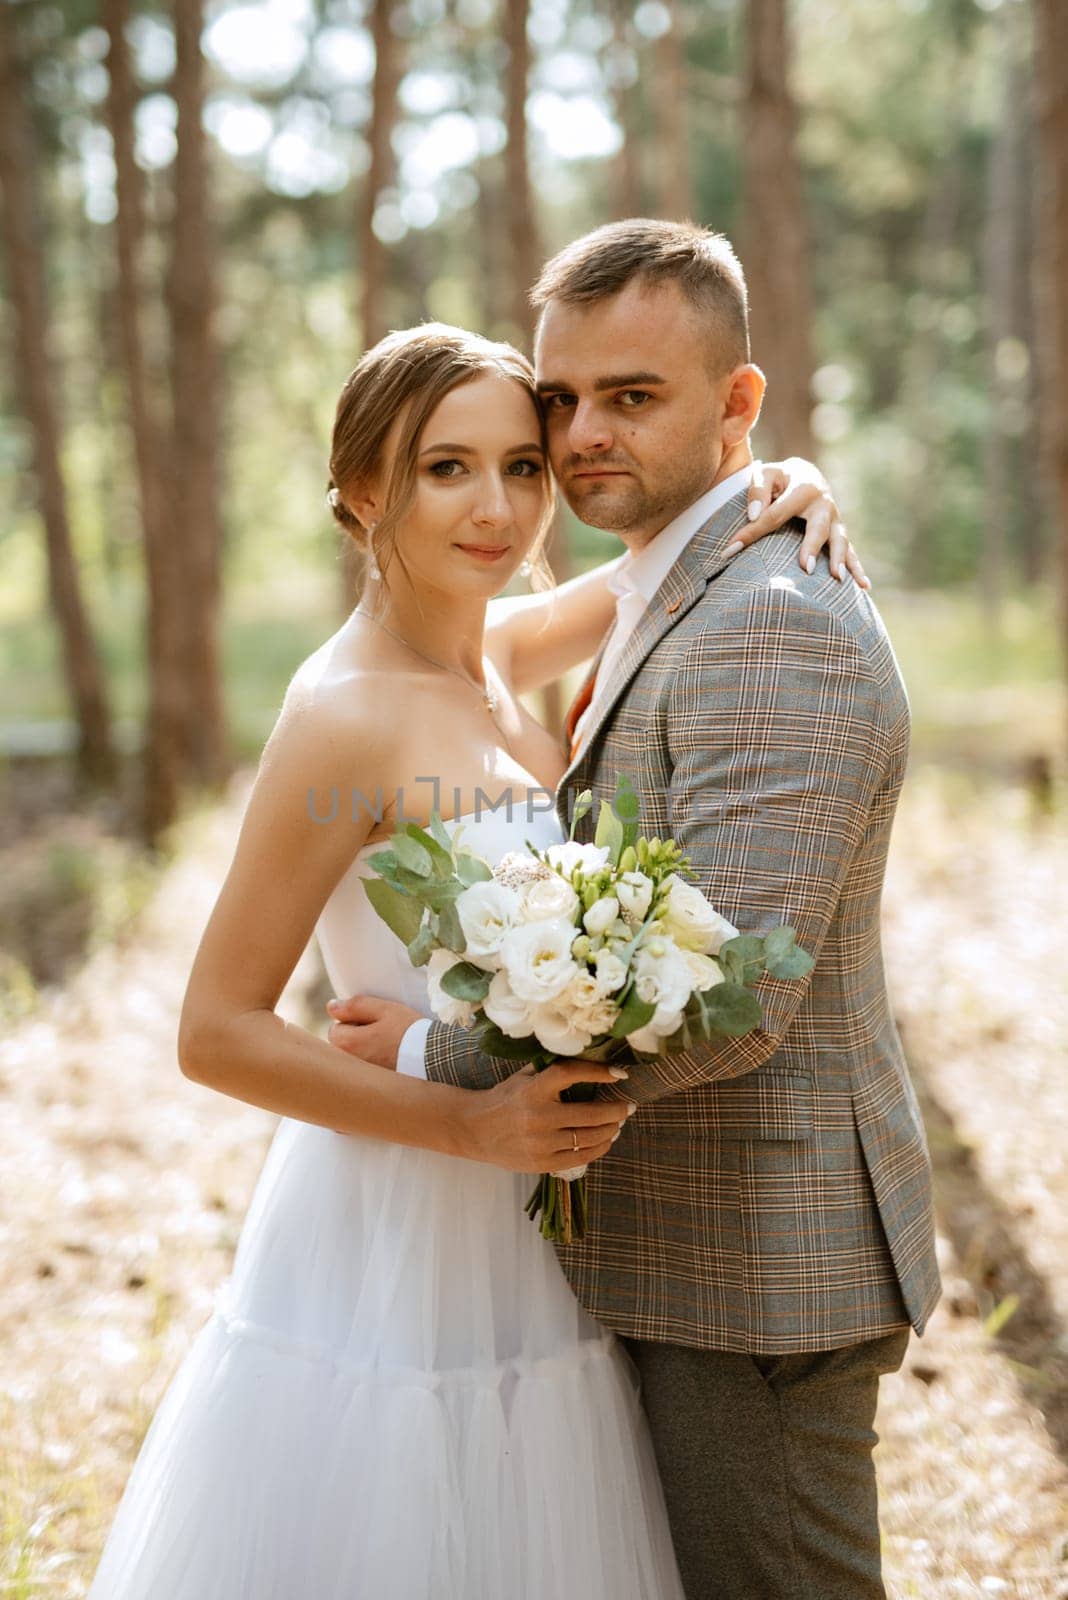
x=763, y=1105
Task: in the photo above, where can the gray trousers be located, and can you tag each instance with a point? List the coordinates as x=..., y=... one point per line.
x=767, y=1468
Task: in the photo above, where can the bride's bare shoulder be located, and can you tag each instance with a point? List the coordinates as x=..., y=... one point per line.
x=333, y=706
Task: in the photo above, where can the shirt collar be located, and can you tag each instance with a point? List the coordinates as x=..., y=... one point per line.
x=643, y=571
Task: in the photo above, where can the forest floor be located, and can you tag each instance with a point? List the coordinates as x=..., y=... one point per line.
x=123, y=1187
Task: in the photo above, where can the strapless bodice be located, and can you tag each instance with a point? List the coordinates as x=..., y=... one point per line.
x=362, y=955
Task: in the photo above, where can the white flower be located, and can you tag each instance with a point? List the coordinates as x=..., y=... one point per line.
x=611, y=972
x=546, y=898
x=635, y=894
x=513, y=1016
x=691, y=921
x=705, y=972
x=662, y=976
x=486, y=911
x=585, y=998
x=601, y=915
x=443, y=1005
x=537, y=958
x=562, y=1031
x=566, y=857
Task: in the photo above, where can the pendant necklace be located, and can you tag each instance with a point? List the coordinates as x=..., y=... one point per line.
x=487, y=693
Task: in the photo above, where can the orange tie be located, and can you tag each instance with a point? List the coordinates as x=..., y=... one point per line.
x=578, y=706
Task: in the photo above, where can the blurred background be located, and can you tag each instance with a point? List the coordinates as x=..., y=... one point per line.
x=209, y=209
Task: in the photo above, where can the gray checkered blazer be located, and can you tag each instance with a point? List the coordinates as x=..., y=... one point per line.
x=772, y=1193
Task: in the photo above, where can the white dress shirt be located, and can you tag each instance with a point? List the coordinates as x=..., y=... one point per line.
x=636, y=580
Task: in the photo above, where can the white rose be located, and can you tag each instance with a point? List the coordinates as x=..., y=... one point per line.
x=486, y=912
x=547, y=897
x=635, y=894
x=601, y=915
x=611, y=972
x=585, y=998
x=662, y=977
x=706, y=973
x=691, y=921
x=443, y=1005
x=590, y=857
x=562, y=1031
x=513, y=1016
x=537, y=959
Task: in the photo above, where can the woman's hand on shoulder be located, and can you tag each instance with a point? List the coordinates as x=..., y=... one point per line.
x=783, y=490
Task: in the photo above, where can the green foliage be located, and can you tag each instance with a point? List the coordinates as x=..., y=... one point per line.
x=465, y=981
x=401, y=914
x=784, y=957
x=634, y=1014
x=729, y=1009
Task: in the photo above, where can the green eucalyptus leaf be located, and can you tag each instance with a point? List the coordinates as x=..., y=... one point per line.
x=732, y=1010
x=412, y=856
x=401, y=914
x=465, y=981
x=784, y=956
x=440, y=856
x=440, y=832
x=496, y=1043
x=746, y=946
x=634, y=1014
x=385, y=864
x=450, y=932
x=422, y=947
x=471, y=869
x=742, y=958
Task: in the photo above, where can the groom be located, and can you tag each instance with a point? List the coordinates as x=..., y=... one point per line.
x=761, y=1233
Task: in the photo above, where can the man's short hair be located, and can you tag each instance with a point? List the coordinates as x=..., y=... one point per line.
x=701, y=262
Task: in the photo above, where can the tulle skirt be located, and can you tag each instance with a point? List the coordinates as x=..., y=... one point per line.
x=397, y=1397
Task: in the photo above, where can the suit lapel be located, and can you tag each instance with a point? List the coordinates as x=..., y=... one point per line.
x=701, y=561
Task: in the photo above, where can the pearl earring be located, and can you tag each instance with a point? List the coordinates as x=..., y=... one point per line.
x=525, y=570
x=374, y=569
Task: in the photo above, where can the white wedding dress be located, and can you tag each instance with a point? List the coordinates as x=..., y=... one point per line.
x=397, y=1396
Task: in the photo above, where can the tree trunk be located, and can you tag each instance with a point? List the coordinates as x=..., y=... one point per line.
x=775, y=233
x=191, y=294
x=1051, y=111
x=627, y=180
x=1032, y=552
x=525, y=260
x=380, y=173
x=168, y=712
x=522, y=217
x=999, y=246
x=492, y=265
x=671, y=97
x=374, y=256
x=26, y=270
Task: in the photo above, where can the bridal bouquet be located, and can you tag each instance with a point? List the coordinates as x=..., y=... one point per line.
x=596, y=949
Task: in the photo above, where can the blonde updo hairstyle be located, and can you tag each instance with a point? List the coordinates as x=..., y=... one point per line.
x=407, y=375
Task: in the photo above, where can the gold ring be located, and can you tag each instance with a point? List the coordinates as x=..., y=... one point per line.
x=574, y=1137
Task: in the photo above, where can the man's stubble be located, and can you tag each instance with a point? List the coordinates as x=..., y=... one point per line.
x=641, y=509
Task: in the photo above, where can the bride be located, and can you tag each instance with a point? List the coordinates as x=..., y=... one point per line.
x=397, y=1396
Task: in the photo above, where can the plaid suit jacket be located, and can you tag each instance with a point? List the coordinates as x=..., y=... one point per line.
x=772, y=1193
